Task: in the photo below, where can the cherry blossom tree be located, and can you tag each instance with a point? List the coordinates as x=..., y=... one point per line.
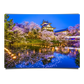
x=29, y=30
x=35, y=26
x=34, y=30
x=19, y=34
x=47, y=35
x=19, y=30
x=61, y=36
x=26, y=26
x=74, y=30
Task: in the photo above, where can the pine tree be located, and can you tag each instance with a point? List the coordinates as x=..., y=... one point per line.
x=8, y=25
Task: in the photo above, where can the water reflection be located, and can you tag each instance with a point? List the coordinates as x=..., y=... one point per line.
x=77, y=61
x=42, y=57
x=18, y=54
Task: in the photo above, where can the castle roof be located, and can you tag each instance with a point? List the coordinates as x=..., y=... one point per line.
x=45, y=22
x=61, y=30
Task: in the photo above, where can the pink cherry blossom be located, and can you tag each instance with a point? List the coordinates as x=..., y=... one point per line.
x=47, y=35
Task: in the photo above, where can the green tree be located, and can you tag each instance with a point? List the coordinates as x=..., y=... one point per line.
x=8, y=25
x=77, y=60
x=6, y=16
x=35, y=33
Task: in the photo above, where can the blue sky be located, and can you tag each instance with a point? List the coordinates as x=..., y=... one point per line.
x=60, y=21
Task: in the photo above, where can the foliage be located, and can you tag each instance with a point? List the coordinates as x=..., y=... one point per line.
x=8, y=25
x=30, y=35
x=55, y=41
x=77, y=60
x=6, y=16
x=10, y=35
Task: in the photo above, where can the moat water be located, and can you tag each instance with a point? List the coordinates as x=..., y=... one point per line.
x=42, y=57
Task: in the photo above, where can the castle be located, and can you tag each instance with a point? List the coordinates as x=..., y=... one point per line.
x=47, y=26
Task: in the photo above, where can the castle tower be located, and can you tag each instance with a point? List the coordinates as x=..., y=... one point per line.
x=46, y=25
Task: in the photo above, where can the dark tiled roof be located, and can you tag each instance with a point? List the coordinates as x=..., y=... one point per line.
x=44, y=25
x=45, y=21
x=61, y=30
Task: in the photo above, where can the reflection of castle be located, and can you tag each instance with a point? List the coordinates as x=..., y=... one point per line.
x=46, y=26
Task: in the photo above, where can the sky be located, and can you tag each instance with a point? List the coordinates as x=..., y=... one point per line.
x=59, y=21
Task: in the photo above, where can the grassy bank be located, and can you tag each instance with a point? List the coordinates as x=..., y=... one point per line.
x=27, y=42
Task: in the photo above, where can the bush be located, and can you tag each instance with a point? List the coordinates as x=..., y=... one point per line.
x=54, y=41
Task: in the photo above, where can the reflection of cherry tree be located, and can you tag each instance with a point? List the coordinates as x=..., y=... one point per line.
x=27, y=56
x=77, y=44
